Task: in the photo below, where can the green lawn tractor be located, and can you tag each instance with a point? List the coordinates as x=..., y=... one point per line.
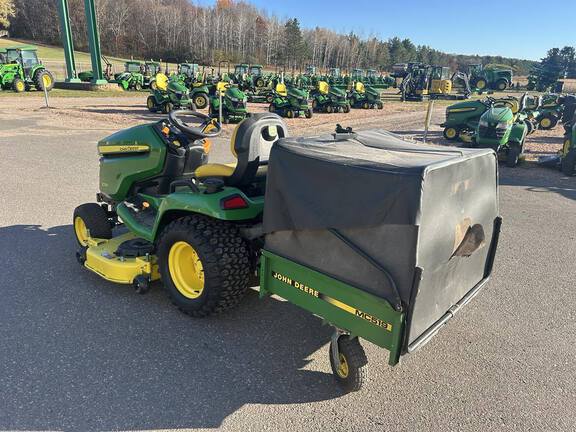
x=169, y=95
x=550, y=111
x=286, y=217
x=23, y=71
x=329, y=99
x=485, y=78
x=133, y=76
x=233, y=103
x=290, y=102
x=503, y=128
x=366, y=97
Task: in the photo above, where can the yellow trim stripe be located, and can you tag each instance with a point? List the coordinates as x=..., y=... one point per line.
x=455, y=110
x=128, y=148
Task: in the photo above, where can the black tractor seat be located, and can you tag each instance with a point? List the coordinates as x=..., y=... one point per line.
x=251, y=143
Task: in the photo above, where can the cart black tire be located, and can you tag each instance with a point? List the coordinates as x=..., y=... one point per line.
x=151, y=104
x=329, y=109
x=308, y=113
x=568, y=165
x=379, y=105
x=18, y=85
x=513, y=155
x=138, y=87
x=225, y=259
x=96, y=221
x=289, y=113
x=314, y=105
x=354, y=375
x=271, y=108
x=201, y=100
x=40, y=83
x=346, y=109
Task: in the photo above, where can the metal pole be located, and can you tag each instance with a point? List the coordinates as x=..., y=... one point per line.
x=94, y=42
x=428, y=118
x=67, y=41
x=220, y=107
x=46, y=97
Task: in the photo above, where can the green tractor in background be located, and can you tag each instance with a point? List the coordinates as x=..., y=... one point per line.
x=290, y=101
x=189, y=75
x=378, y=81
x=503, y=127
x=233, y=103
x=133, y=76
x=169, y=95
x=550, y=111
x=489, y=78
x=366, y=97
x=22, y=70
x=329, y=99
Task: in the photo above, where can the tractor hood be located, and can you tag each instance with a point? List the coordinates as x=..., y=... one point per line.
x=337, y=92
x=498, y=115
x=177, y=87
x=371, y=91
x=297, y=93
x=235, y=94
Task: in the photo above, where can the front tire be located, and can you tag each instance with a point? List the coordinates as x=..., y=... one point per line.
x=308, y=113
x=569, y=163
x=44, y=80
x=204, y=264
x=450, y=133
x=513, y=156
x=547, y=122
x=151, y=104
x=18, y=85
x=91, y=221
x=201, y=101
x=501, y=85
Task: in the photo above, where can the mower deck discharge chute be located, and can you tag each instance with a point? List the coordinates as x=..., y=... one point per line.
x=384, y=239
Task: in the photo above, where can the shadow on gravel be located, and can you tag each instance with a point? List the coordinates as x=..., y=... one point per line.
x=539, y=180
x=141, y=114
x=79, y=353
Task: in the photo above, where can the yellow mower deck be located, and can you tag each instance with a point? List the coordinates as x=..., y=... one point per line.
x=101, y=260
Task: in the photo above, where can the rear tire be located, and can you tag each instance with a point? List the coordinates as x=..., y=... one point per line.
x=569, y=163
x=547, y=122
x=91, y=221
x=138, y=87
x=308, y=113
x=501, y=85
x=151, y=104
x=225, y=264
x=350, y=372
x=167, y=107
x=201, y=101
x=346, y=109
x=451, y=133
x=329, y=109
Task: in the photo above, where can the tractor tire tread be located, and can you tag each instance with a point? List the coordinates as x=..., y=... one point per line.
x=96, y=220
x=356, y=358
x=225, y=258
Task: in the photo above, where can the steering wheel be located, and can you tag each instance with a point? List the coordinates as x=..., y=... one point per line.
x=195, y=132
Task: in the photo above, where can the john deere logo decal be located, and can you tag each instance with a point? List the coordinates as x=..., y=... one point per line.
x=315, y=293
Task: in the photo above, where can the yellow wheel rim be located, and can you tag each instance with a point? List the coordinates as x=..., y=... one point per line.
x=481, y=84
x=199, y=101
x=566, y=147
x=545, y=122
x=451, y=133
x=150, y=104
x=46, y=80
x=343, y=369
x=20, y=86
x=186, y=270
x=81, y=231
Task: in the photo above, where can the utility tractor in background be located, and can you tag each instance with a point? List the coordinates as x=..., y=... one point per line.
x=23, y=71
x=433, y=82
x=489, y=77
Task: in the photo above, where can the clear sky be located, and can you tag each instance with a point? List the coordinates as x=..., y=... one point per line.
x=511, y=28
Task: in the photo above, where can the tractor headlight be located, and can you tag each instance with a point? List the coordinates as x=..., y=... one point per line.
x=483, y=123
x=502, y=125
x=233, y=99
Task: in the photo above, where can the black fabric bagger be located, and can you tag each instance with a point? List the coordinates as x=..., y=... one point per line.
x=410, y=223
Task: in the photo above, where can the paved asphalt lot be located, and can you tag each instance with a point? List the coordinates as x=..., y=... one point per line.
x=80, y=354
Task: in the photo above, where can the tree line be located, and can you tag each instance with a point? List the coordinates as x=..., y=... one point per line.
x=234, y=31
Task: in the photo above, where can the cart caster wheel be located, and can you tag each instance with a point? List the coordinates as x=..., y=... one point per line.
x=348, y=363
x=81, y=256
x=141, y=284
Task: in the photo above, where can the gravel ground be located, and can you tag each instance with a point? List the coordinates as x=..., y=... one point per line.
x=78, y=353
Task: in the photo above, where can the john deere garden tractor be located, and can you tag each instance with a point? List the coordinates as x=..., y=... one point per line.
x=364, y=96
x=211, y=231
x=189, y=75
x=503, y=128
x=290, y=101
x=485, y=78
x=23, y=71
x=233, y=103
x=329, y=99
x=169, y=95
x=550, y=111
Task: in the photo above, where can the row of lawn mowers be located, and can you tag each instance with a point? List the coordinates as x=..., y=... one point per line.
x=227, y=100
x=503, y=123
x=20, y=70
